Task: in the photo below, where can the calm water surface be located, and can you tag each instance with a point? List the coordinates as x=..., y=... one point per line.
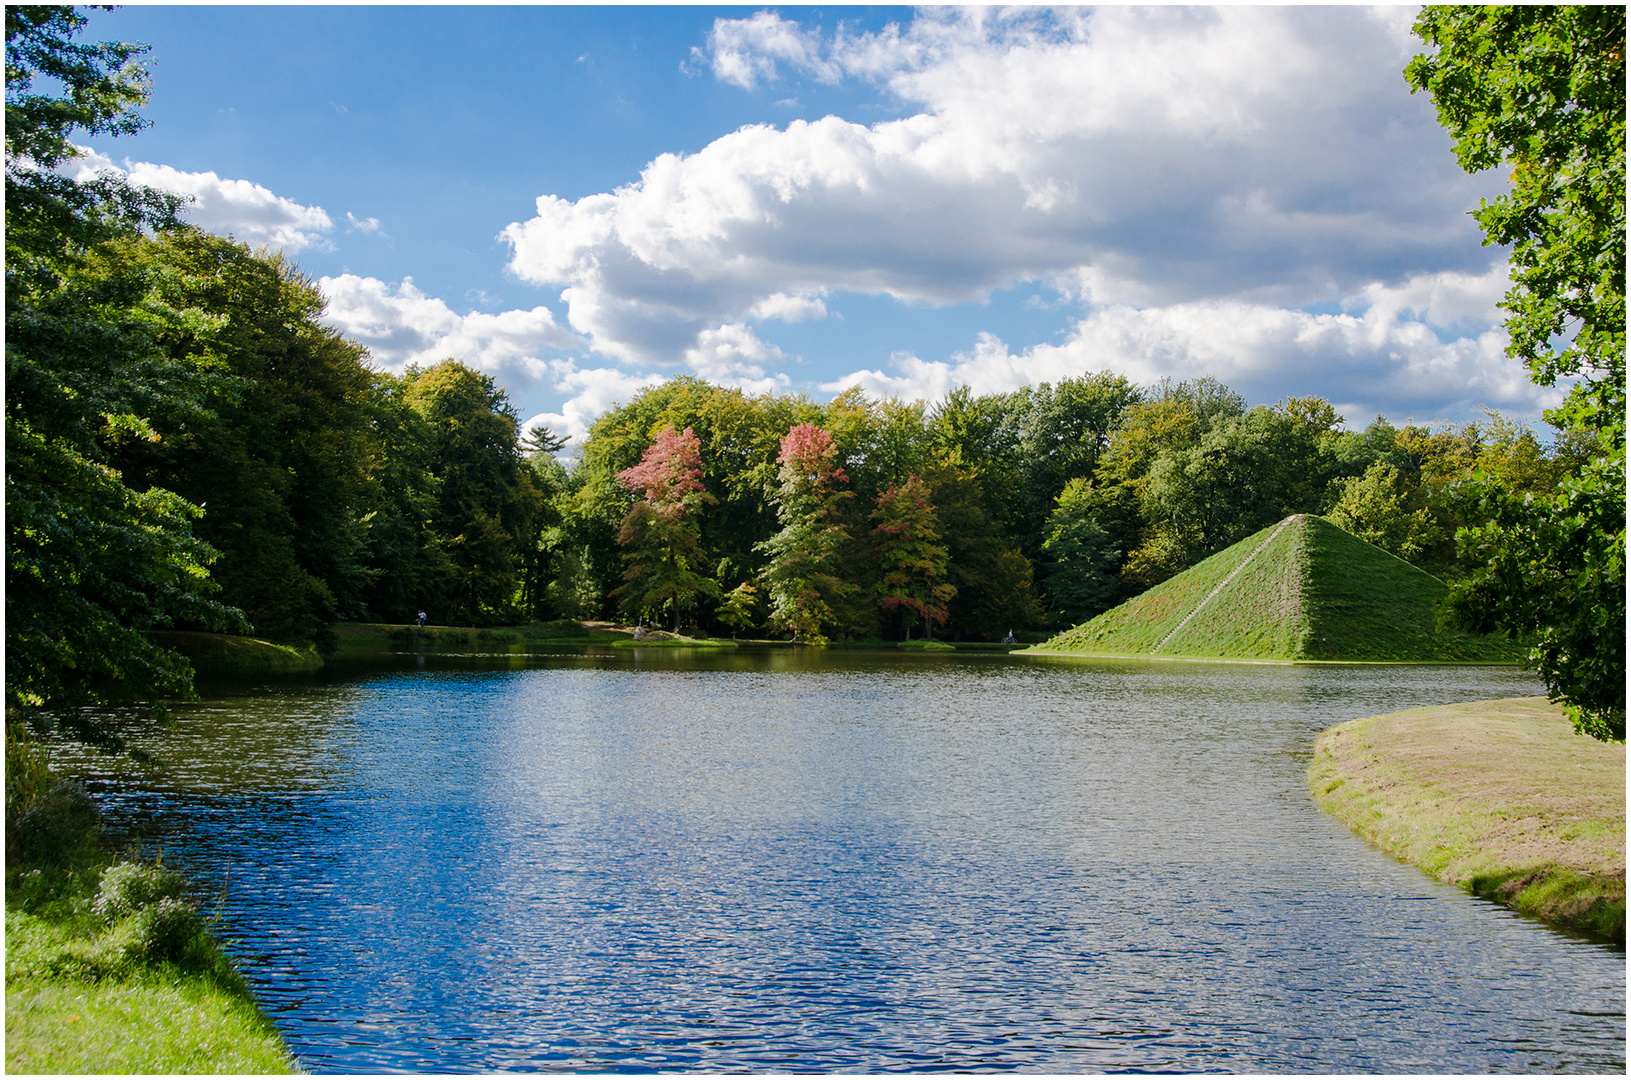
x=843, y=861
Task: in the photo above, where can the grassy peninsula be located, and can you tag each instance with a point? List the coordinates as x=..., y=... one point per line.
x=1499, y=797
x=1302, y=590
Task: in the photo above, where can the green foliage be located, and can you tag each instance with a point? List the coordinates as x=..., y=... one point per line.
x=801, y=576
x=910, y=558
x=556, y=629
x=1377, y=508
x=111, y=968
x=1543, y=90
x=486, y=505
x=736, y=609
x=1244, y=474
x=50, y=826
x=1059, y=433
x=992, y=577
x=278, y=454
x=234, y=654
x=128, y=887
x=408, y=560
x=1554, y=568
x=93, y=560
x=1182, y=467
x=660, y=531
x=1082, y=581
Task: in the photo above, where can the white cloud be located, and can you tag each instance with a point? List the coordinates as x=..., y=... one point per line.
x=1375, y=360
x=734, y=356
x=362, y=225
x=1446, y=300
x=403, y=326
x=591, y=393
x=789, y=308
x=745, y=51
x=244, y=210
x=1146, y=157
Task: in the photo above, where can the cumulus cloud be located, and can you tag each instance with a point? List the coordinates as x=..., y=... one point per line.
x=1375, y=358
x=734, y=356
x=789, y=308
x=590, y=393
x=362, y=225
x=401, y=326
x=244, y=210
x=1170, y=159
x=744, y=52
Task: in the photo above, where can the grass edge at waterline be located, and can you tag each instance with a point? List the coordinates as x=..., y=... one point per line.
x=78, y=1002
x=1501, y=798
x=110, y=966
x=236, y=654
x=153, y=1026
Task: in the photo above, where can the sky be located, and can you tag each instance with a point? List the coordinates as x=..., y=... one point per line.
x=582, y=201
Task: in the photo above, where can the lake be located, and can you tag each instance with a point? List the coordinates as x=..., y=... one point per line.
x=829, y=860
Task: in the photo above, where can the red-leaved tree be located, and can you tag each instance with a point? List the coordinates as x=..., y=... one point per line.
x=664, y=558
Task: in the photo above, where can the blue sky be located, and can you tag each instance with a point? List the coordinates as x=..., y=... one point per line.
x=582, y=200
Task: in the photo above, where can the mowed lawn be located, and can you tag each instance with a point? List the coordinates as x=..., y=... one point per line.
x=1499, y=797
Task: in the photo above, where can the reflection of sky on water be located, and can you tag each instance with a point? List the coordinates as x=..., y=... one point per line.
x=849, y=861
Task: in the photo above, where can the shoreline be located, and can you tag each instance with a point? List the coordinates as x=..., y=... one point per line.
x=112, y=968
x=1063, y=655
x=1500, y=797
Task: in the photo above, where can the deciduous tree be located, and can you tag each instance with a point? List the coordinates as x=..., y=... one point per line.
x=1082, y=580
x=660, y=532
x=802, y=577
x=1542, y=91
x=91, y=562
x=910, y=557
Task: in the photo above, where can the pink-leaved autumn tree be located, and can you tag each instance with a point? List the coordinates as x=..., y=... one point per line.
x=663, y=561
x=801, y=578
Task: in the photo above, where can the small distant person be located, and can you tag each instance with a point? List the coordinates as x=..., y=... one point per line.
x=421, y=618
x=1009, y=640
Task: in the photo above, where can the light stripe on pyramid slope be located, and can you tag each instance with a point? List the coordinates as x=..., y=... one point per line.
x=1300, y=590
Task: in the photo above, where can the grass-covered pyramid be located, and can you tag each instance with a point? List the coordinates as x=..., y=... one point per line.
x=1300, y=590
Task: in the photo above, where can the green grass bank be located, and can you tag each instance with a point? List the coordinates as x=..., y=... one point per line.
x=1499, y=797
x=1302, y=590
x=110, y=965
x=231, y=654
x=372, y=639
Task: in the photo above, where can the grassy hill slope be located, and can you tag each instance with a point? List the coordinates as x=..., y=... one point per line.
x=1300, y=590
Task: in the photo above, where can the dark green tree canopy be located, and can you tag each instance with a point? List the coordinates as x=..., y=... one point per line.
x=92, y=562
x=1542, y=90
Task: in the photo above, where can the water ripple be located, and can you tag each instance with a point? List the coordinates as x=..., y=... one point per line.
x=797, y=862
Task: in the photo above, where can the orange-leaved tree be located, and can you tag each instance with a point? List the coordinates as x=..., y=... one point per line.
x=910, y=555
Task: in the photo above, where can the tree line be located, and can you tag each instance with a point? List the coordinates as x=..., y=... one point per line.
x=975, y=515
x=188, y=445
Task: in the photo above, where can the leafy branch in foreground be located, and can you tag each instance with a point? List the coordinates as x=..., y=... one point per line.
x=1543, y=90
x=90, y=561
